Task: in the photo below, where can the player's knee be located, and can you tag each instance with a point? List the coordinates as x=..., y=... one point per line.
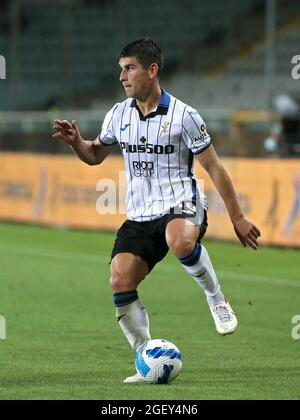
x=117, y=282
x=181, y=246
x=120, y=282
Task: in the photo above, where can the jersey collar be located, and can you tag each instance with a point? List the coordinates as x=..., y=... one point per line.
x=162, y=108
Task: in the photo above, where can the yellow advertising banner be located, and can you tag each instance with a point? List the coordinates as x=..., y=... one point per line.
x=268, y=191
x=62, y=191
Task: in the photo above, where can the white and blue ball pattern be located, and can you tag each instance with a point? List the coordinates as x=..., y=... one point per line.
x=158, y=361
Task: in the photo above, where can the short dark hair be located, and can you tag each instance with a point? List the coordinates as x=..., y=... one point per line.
x=146, y=51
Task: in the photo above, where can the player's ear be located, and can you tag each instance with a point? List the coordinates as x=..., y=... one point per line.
x=153, y=71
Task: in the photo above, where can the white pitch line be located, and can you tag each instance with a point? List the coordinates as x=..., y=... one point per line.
x=34, y=252
x=99, y=258
x=260, y=279
x=242, y=276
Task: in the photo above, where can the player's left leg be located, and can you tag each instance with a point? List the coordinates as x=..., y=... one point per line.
x=182, y=238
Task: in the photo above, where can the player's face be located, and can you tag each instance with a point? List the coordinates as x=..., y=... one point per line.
x=134, y=78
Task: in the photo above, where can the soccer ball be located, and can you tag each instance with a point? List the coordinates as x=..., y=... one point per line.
x=158, y=361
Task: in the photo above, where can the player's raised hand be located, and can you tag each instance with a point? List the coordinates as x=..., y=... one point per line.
x=66, y=131
x=247, y=232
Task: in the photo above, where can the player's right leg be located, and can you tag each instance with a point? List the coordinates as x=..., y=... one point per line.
x=127, y=271
x=138, y=247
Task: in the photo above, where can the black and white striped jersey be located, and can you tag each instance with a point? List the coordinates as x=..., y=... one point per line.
x=158, y=151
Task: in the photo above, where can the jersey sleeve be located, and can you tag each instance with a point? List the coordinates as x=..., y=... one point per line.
x=107, y=136
x=194, y=132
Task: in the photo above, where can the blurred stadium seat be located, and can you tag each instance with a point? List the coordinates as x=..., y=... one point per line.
x=62, y=62
x=71, y=51
x=63, y=55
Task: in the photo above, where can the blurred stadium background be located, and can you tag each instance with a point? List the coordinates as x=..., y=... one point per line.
x=232, y=60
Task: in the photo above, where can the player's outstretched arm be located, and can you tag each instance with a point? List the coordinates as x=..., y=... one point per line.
x=90, y=152
x=245, y=230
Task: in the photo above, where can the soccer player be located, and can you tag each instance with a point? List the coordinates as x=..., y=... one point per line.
x=160, y=137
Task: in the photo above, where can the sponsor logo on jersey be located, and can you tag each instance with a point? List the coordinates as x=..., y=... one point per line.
x=149, y=148
x=203, y=136
x=143, y=169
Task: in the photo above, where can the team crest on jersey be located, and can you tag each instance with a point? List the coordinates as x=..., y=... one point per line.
x=164, y=128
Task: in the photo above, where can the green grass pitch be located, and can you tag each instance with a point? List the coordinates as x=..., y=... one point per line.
x=63, y=341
